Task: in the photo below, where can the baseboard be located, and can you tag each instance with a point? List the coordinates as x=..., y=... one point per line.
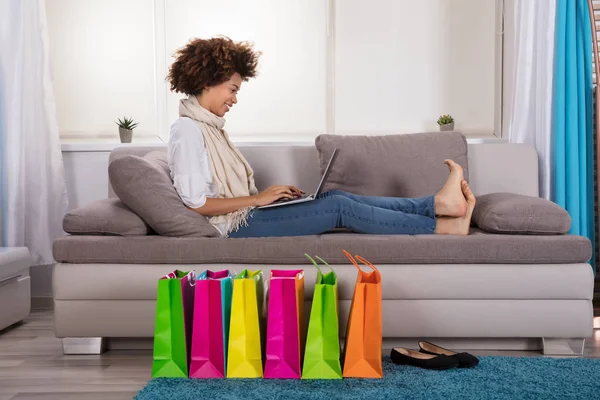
x=42, y=303
x=520, y=344
x=495, y=344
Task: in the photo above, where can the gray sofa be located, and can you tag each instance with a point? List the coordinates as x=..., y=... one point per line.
x=482, y=291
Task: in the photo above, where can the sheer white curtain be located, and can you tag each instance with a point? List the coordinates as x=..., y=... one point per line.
x=33, y=197
x=532, y=70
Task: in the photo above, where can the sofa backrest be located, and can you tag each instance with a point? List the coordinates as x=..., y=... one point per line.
x=493, y=167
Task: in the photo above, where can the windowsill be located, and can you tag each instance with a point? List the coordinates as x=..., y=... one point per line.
x=109, y=144
x=99, y=145
x=485, y=139
x=104, y=144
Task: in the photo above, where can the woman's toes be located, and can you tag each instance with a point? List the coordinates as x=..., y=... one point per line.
x=466, y=189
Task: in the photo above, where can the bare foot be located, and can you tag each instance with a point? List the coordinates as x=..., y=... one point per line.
x=450, y=201
x=460, y=225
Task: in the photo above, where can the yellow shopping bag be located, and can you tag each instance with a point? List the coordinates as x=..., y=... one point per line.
x=245, y=351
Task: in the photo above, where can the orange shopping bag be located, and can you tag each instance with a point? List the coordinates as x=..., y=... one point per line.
x=362, y=348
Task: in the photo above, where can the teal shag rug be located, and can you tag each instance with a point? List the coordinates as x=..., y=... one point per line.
x=493, y=378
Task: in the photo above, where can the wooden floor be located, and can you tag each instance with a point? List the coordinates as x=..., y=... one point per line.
x=32, y=365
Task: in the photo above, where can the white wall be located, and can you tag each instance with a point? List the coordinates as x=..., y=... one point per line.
x=397, y=64
x=86, y=175
x=508, y=59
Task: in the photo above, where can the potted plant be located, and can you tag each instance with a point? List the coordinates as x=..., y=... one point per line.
x=126, y=126
x=446, y=122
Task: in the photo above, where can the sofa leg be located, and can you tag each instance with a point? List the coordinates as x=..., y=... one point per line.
x=84, y=345
x=563, y=347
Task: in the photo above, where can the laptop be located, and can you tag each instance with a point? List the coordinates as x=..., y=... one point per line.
x=309, y=197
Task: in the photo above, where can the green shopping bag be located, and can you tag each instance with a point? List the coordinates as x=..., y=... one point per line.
x=173, y=326
x=322, y=351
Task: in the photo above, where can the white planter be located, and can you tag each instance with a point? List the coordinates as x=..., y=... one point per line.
x=126, y=135
x=447, y=127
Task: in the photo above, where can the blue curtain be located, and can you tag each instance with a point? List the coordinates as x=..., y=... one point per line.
x=572, y=113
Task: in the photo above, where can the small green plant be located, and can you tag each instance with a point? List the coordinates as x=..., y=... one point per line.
x=445, y=119
x=126, y=123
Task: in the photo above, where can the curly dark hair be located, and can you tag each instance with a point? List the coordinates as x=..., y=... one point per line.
x=209, y=62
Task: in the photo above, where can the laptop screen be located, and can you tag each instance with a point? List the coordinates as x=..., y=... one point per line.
x=327, y=171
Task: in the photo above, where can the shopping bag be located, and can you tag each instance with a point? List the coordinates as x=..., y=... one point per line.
x=244, y=355
x=173, y=325
x=322, y=352
x=210, y=329
x=362, y=349
x=284, y=324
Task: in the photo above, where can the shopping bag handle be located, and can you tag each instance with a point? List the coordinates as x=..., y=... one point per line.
x=192, y=274
x=361, y=259
x=325, y=262
x=317, y=265
x=266, y=288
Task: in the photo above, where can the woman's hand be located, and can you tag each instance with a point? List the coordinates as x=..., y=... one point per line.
x=276, y=192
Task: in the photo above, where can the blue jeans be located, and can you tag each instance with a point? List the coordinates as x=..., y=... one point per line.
x=339, y=209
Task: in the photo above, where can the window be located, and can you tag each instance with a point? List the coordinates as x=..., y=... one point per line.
x=103, y=66
x=596, y=8
x=288, y=97
x=401, y=64
x=335, y=66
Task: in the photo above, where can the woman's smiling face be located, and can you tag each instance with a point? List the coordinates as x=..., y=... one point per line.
x=220, y=99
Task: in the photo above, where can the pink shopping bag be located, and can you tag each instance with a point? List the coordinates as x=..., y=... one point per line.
x=210, y=330
x=284, y=320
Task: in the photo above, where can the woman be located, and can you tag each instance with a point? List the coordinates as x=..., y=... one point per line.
x=214, y=179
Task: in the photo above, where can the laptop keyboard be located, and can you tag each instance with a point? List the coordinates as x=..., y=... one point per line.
x=284, y=200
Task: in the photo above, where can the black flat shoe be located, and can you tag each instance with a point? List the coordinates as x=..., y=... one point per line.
x=465, y=360
x=403, y=356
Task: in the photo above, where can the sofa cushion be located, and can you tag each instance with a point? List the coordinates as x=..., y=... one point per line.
x=161, y=159
x=105, y=217
x=514, y=213
x=393, y=165
x=144, y=185
x=479, y=247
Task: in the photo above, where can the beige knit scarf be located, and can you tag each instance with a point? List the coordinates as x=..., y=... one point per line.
x=232, y=174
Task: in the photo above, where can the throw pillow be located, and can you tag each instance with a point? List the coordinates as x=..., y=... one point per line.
x=105, y=217
x=144, y=185
x=515, y=213
x=410, y=165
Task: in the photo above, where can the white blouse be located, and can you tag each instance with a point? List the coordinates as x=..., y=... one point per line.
x=188, y=161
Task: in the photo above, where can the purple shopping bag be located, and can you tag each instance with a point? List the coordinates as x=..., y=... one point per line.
x=284, y=324
x=210, y=330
